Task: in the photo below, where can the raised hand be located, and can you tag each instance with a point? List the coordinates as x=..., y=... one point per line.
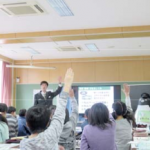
x=68, y=80
x=126, y=89
x=71, y=93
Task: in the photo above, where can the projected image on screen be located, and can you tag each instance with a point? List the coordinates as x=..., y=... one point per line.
x=88, y=96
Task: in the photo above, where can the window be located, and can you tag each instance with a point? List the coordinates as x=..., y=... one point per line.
x=0, y=79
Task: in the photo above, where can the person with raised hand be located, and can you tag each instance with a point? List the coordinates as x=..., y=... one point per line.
x=45, y=137
x=124, y=120
x=67, y=138
x=45, y=97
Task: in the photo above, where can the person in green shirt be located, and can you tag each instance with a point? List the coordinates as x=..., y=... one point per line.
x=4, y=131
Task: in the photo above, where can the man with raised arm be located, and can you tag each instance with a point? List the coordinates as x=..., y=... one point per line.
x=45, y=97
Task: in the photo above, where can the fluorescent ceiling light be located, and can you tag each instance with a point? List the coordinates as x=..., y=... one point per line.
x=29, y=67
x=92, y=47
x=30, y=50
x=61, y=7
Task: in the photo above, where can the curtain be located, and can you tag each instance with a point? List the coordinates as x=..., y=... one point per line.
x=6, y=84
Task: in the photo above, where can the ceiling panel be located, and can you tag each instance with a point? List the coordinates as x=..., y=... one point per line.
x=107, y=47
x=87, y=14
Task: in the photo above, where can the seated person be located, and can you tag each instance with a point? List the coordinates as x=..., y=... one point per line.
x=4, y=131
x=86, y=114
x=67, y=138
x=100, y=133
x=124, y=122
x=12, y=122
x=45, y=137
x=22, y=127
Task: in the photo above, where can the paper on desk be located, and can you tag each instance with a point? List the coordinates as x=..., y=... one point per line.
x=141, y=145
x=8, y=146
x=144, y=145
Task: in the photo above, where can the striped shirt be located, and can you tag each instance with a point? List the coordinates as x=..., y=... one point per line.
x=13, y=125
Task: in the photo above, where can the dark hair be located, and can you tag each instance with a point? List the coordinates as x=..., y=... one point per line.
x=67, y=116
x=87, y=112
x=44, y=82
x=145, y=95
x=22, y=112
x=120, y=109
x=38, y=118
x=11, y=109
x=99, y=116
x=3, y=109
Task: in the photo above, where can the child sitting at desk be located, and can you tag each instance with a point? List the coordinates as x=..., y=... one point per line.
x=4, y=131
x=38, y=118
x=124, y=122
x=22, y=127
x=100, y=133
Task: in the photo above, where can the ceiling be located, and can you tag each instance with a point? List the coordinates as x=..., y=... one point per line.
x=87, y=14
x=107, y=47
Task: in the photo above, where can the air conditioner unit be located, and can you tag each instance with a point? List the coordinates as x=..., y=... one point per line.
x=22, y=8
x=69, y=49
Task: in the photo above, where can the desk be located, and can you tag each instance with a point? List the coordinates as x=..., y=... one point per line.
x=140, y=143
x=9, y=146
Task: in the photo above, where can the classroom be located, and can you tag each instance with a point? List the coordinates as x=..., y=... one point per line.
x=74, y=75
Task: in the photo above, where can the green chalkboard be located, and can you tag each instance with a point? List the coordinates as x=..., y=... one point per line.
x=24, y=95
x=24, y=92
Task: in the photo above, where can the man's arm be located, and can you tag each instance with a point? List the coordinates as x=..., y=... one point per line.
x=74, y=114
x=59, y=89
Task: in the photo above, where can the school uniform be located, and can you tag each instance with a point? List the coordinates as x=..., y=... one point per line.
x=46, y=98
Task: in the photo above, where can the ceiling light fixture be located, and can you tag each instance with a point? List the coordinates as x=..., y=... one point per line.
x=29, y=66
x=92, y=47
x=61, y=7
